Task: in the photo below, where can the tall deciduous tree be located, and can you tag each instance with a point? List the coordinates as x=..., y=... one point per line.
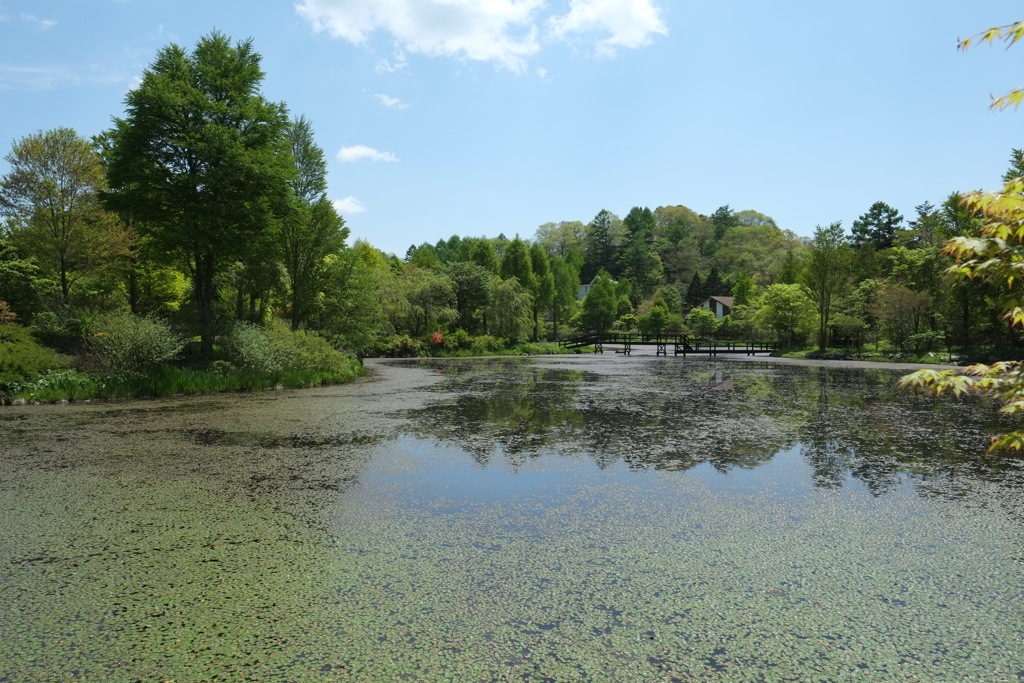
x=543, y=285
x=826, y=274
x=566, y=272
x=51, y=193
x=312, y=229
x=600, y=307
x=201, y=156
x=516, y=263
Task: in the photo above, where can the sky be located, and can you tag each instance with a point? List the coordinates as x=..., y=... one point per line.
x=488, y=117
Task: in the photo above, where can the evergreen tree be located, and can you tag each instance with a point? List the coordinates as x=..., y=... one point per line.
x=878, y=227
x=695, y=293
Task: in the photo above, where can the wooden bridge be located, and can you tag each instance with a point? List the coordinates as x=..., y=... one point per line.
x=681, y=344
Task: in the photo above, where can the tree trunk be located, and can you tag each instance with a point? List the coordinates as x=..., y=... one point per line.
x=204, y=287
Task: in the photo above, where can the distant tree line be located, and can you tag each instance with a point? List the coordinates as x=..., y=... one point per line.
x=204, y=209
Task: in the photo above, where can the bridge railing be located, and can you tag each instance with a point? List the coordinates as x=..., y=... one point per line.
x=681, y=343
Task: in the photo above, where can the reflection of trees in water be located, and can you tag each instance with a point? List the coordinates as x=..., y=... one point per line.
x=654, y=418
x=850, y=424
x=859, y=425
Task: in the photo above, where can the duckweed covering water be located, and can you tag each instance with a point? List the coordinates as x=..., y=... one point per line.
x=577, y=519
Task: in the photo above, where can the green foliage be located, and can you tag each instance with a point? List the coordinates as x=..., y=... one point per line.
x=22, y=358
x=600, y=307
x=122, y=341
x=994, y=257
x=510, y=315
x=311, y=230
x=485, y=344
x=199, y=159
x=52, y=191
x=298, y=350
x=785, y=309
x=403, y=346
x=702, y=322
x=827, y=273
x=878, y=227
x=458, y=340
x=1009, y=34
x=248, y=346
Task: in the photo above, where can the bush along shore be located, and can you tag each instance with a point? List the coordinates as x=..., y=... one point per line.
x=127, y=356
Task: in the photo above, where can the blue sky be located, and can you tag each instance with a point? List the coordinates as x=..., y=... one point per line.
x=480, y=117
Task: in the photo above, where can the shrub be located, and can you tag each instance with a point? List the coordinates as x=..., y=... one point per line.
x=299, y=350
x=249, y=348
x=403, y=345
x=485, y=344
x=22, y=358
x=122, y=341
x=457, y=340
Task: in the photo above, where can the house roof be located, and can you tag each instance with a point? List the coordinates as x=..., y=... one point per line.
x=724, y=300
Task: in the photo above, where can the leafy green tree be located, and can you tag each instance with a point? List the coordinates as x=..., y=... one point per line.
x=510, y=314
x=473, y=289
x=52, y=194
x=749, y=217
x=201, y=157
x=350, y=313
x=826, y=274
x=743, y=290
x=558, y=239
x=483, y=253
x=785, y=308
x=312, y=229
x=878, y=227
x=653, y=323
x=638, y=222
x=543, y=285
x=789, y=268
x=722, y=219
x=702, y=322
x=20, y=280
x=566, y=275
x=642, y=265
x=900, y=312
x=600, y=307
x=516, y=263
x=927, y=229
x=757, y=249
x=672, y=298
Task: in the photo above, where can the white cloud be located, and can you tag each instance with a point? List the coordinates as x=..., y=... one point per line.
x=629, y=23
x=389, y=67
x=44, y=24
x=348, y=206
x=504, y=32
x=35, y=78
x=361, y=152
x=391, y=102
x=498, y=31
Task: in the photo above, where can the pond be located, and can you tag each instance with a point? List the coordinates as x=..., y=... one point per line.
x=536, y=519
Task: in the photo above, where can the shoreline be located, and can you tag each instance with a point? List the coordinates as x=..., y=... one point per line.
x=739, y=358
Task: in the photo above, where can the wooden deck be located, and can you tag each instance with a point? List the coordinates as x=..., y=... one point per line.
x=681, y=344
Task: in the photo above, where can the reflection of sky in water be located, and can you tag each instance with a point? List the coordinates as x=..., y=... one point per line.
x=421, y=472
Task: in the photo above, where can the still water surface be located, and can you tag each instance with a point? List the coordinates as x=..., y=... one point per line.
x=560, y=519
